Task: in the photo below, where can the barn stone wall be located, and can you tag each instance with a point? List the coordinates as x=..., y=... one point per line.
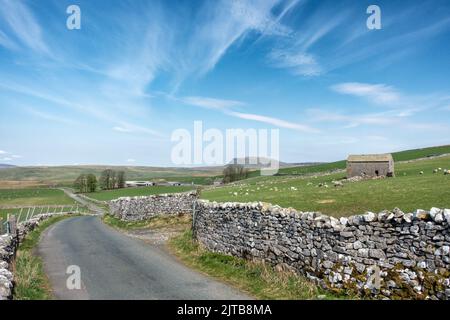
x=407, y=252
x=140, y=208
x=369, y=169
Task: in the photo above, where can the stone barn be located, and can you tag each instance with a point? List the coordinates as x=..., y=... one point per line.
x=372, y=165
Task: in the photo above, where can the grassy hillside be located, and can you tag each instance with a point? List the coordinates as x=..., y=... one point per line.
x=398, y=156
x=106, y=195
x=409, y=190
x=67, y=174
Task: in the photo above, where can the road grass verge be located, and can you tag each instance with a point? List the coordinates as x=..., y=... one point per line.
x=152, y=223
x=257, y=279
x=31, y=282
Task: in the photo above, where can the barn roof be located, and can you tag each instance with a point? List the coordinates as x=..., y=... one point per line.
x=370, y=157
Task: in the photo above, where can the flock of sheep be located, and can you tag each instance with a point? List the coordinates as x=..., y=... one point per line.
x=439, y=170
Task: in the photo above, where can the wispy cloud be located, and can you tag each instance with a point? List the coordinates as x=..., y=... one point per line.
x=24, y=25
x=226, y=106
x=131, y=128
x=121, y=129
x=274, y=122
x=376, y=93
x=211, y=103
x=91, y=107
x=50, y=117
x=401, y=104
x=300, y=63
x=191, y=45
x=131, y=160
x=6, y=42
x=351, y=120
x=3, y=152
x=295, y=54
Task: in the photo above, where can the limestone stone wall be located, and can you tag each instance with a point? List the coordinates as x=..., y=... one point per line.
x=8, y=247
x=140, y=208
x=390, y=254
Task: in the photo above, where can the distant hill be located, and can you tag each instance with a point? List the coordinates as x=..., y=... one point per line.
x=64, y=174
x=261, y=162
x=6, y=166
x=49, y=175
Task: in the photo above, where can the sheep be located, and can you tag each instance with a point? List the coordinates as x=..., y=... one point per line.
x=338, y=183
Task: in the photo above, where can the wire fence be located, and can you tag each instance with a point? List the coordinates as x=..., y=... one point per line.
x=23, y=214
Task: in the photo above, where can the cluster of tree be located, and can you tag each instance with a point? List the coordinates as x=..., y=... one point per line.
x=111, y=179
x=86, y=183
x=234, y=172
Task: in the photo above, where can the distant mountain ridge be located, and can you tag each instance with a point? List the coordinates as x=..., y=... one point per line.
x=261, y=162
x=6, y=166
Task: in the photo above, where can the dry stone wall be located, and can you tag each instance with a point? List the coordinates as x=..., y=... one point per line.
x=391, y=254
x=140, y=208
x=8, y=247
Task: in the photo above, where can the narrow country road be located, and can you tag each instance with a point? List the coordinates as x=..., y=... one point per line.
x=114, y=266
x=89, y=204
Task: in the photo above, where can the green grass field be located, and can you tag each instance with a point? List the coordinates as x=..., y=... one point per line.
x=33, y=197
x=409, y=190
x=106, y=195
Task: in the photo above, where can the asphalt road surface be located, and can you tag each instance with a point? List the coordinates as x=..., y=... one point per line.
x=115, y=266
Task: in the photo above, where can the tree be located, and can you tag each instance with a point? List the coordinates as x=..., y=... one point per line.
x=234, y=172
x=113, y=180
x=121, y=179
x=105, y=179
x=81, y=183
x=91, y=183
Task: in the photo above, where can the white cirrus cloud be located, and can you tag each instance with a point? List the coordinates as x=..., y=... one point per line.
x=226, y=106
x=211, y=103
x=274, y=121
x=24, y=25
x=299, y=63
x=376, y=93
x=121, y=129
x=131, y=128
x=50, y=117
x=131, y=160
x=6, y=42
x=352, y=121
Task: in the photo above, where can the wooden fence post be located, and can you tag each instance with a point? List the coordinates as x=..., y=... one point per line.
x=12, y=223
x=194, y=231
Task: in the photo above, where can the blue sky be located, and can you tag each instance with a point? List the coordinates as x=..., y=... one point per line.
x=114, y=91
